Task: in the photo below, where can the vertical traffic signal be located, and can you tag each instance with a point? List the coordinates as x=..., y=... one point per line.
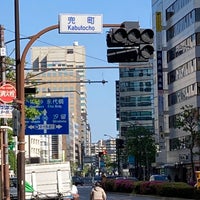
x=136, y=44
x=119, y=143
x=104, y=152
x=16, y=122
x=100, y=154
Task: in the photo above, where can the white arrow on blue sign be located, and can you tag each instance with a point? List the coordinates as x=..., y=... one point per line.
x=54, y=117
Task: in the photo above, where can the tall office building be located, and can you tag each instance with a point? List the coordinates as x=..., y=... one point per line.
x=176, y=73
x=60, y=72
x=134, y=94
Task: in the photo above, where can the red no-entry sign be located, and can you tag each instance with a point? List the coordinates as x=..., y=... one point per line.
x=7, y=93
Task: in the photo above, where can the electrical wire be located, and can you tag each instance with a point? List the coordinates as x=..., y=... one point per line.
x=50, y=44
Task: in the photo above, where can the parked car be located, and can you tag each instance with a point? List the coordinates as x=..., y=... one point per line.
x=131, y=178
x=158, y=177
x=13, y=188
x=77, y=180
x=126, y=178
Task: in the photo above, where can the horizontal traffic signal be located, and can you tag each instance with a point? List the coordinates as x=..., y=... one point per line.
x=123, y=37
x=141, y=54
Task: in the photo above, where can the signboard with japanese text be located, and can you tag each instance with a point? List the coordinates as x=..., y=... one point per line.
x=7, y=93
x=53, y=118
x=6, y=111
x=80, y=23
x=159, y=70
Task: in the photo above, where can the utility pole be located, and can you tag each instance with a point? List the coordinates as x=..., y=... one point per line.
x=20, y=106
x=4, y=134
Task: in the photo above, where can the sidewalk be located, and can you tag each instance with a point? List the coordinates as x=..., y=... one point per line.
x=148, y=197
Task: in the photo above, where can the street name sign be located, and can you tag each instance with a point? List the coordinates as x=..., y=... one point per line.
x=53, y=118
x=80, y=23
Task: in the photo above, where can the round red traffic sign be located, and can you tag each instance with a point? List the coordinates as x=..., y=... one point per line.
x=7, y=93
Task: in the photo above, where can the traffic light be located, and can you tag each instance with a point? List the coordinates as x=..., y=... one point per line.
x=130, y=55
x=100, y=154
x=119, y=143
x=16, y=122
x=136, y=44
x=123, y=37
x=104, y=152
x=11, y=145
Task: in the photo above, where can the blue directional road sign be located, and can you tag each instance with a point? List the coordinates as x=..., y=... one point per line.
x=53, y=118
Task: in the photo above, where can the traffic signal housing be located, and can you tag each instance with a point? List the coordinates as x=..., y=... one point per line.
x=100, y=154
x=123, y=37
x=119, y=143
x=104, y=152
x=16, y=122
x=136, y=45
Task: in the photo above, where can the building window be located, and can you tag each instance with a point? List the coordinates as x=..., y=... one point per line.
x=70, y=51
x=183, y=94
x=181, y=48
x=184, y=23
x=175, y=7
x=182, y=71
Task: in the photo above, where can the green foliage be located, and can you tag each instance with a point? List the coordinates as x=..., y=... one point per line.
x=12, y=160
x=10, y=69
x=74, y=168
x=165, y=189
x=189, y=120
x=86, y=169
x=140, y=143
x=29, y=112
x=174, y=189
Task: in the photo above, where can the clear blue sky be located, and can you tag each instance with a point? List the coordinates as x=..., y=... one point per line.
x=36, y=15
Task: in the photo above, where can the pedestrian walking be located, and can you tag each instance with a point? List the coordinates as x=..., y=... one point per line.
x=74, y=192
x=98, y=192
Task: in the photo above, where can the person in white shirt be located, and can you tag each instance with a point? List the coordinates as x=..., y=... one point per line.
x=74, y=191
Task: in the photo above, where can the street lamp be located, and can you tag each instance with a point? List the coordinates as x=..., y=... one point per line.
x=109, y=136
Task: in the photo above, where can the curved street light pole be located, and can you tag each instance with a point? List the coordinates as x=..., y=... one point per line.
x=20, y=66
x=111, y=137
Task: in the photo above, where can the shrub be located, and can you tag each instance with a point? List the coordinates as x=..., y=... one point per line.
x=167, y=189
x=150, y=187
x=176, y=189
x=108, y=185
x=125, y=186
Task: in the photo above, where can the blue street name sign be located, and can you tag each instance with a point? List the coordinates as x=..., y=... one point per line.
x=53, y=118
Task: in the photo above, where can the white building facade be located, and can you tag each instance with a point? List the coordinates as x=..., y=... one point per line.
x=60, y=72
x=176, y=24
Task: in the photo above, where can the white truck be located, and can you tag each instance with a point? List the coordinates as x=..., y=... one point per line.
x=49, y=181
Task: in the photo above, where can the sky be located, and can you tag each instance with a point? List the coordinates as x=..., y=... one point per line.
x=36, y=15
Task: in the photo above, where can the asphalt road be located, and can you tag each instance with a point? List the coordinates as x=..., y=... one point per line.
x=84, y=192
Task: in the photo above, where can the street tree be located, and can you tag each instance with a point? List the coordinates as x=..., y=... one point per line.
x=29, y=112
x=189, y=120
x=141, y=145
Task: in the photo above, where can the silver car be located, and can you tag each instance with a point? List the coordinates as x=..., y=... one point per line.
x=13, y=188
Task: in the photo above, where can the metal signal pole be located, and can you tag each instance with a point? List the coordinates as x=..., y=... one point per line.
x=20, y=107
x=4, y=133
x=20, y=66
